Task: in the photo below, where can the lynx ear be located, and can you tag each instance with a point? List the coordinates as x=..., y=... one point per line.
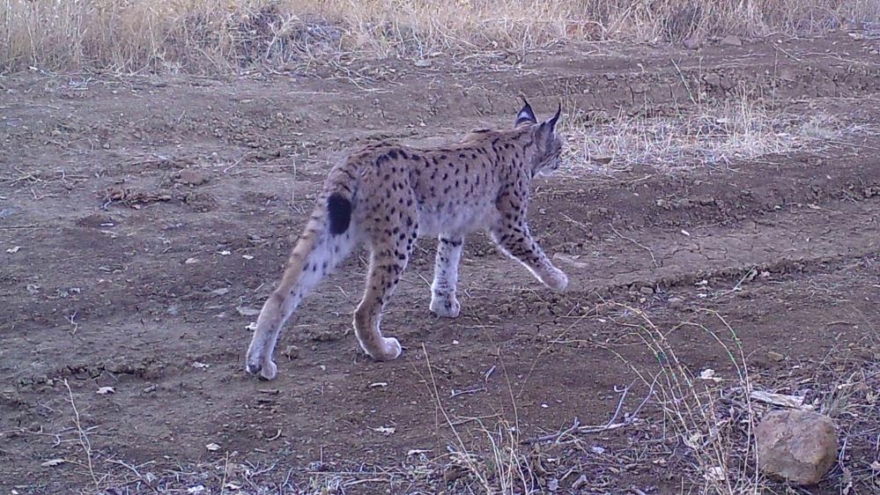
x=526, y=115
x=548, y=128
x=552, y=121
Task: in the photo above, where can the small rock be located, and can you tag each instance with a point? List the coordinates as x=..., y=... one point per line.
x=786, y=74
x=731, y=41
x=692, y=43
x=676, y=302
x=422, y=63
x=648, y=291
x=291, y=352
x=581, y=481
x=192, y=177
x=796, y=446
x=453, y=473
x=775, y=356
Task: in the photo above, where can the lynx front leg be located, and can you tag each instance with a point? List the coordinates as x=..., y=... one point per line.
x=443, y=300
x=517, y=242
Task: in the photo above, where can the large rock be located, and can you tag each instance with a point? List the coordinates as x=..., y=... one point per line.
x=796, y=446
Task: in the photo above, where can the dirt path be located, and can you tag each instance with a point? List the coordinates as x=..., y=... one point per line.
x=142, y=222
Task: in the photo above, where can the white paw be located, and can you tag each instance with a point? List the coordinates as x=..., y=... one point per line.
x=389, y=350
x=445, y=306
x=264, y=366
x=269, y=370
x=557, y=280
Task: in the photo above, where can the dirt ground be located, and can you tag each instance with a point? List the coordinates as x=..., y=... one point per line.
x=144, y=220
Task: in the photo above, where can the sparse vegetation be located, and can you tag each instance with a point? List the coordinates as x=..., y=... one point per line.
x=678, y=418
x=695, y=136
x=227, y=35
x=695, y=421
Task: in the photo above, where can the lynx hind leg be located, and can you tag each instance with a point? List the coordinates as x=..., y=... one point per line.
x=388, y=259
x=518, y=243
x=305, y=269
x=443, y=300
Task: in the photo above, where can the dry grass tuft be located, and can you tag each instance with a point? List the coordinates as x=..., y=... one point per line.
x=712, y=417
x=717, y=134
x=226, y=35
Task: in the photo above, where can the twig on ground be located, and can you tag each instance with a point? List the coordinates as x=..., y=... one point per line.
x=577, y=428
x=637, y=243
x=83, y=436
x=787, y=53
x=684, y=81
x=71, y=319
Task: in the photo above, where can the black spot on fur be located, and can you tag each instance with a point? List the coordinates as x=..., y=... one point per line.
x=339, y=212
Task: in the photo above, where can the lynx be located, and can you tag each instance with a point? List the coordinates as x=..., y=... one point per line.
x=387, y=195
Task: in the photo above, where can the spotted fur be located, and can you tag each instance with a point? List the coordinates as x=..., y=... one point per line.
x=387, y=195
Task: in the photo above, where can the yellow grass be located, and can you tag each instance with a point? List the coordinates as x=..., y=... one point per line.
x=222, y=35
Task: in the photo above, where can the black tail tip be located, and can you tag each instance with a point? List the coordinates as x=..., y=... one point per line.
x=339, y=209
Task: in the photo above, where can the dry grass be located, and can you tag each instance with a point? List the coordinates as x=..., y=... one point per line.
x=226, y=35
x=737, y=129
x=713, y=417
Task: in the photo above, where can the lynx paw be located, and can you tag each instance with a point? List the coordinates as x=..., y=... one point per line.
x=264, y=366
x=388, y=349
x=445, y=306
x=556, y=280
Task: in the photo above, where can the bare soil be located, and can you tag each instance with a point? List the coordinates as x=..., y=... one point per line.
x=143, y=219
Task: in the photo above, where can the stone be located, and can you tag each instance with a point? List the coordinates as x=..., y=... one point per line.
x=676, y=302
x=796, y=446
x=731, y=41
x=692, y=43
x=775, y=356
x=192, y=177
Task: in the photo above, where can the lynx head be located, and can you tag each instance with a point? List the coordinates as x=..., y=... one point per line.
x=545, y=148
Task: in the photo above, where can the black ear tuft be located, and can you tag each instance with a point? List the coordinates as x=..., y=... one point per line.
x=526, y=115
x=552, y=121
